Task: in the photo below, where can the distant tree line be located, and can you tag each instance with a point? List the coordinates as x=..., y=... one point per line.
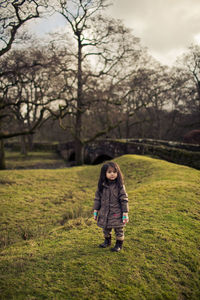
x=94, y=80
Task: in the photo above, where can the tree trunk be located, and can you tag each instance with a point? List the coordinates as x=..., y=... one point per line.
x=79, y=152
x=127, y=126
x=78, y=142
x=2, y=156
x=30, y=142
x=78, y=126
x=23, y=145
x=119, y=132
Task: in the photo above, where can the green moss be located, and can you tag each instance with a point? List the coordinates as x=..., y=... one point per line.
x=49, y=241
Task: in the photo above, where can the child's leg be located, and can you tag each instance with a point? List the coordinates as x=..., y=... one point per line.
x=119, y=232
x=107, y=236
x=107, y=232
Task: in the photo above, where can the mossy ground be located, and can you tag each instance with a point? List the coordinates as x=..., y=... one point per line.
x=49, y=241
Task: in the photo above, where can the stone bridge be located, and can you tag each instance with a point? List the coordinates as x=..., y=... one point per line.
x=107, y=149
x=95, y=152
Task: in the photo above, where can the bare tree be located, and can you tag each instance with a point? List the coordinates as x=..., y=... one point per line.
x=34, y=79
x=32, y=85
x=102, y=43
x=13, y=15
x=189, y=66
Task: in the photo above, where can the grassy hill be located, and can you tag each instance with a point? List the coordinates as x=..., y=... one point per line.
x=49, y=240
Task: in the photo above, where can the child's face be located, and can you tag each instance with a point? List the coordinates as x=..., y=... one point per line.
x=111, y=173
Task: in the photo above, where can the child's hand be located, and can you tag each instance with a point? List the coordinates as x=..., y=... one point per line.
x=125, y=218
x=95, y=214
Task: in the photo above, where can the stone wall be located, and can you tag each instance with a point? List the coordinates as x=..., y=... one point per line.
x=175, y=155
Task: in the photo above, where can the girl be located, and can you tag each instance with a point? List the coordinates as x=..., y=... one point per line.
x=111, y=204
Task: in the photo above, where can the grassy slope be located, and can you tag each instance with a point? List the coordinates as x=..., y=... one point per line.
x=49, y=241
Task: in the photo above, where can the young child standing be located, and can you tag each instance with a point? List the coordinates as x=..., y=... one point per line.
x=111, y=205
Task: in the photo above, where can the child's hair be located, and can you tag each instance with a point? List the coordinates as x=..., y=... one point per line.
x=102, y=177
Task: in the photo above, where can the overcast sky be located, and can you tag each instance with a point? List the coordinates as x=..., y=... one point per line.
x=165, y=27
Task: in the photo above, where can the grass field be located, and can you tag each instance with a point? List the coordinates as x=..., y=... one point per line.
x=49, y=240
x=34, y=160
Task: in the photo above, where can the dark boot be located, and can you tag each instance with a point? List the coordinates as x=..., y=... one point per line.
x=118, y=246
x=106, y=243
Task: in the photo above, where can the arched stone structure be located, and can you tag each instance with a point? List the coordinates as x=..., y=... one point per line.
x=101, y=150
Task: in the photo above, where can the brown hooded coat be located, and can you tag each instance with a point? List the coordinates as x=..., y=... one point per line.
x=111, y=203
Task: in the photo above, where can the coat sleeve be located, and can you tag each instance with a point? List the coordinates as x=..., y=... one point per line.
x=123, y=198
x=97, y=201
